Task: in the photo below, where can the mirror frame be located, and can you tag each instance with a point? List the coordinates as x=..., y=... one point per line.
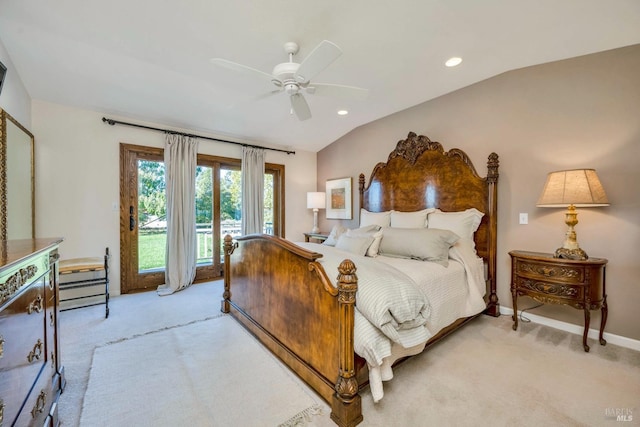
x=4, y=116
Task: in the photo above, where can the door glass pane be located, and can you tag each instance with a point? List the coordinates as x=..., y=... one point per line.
x=204, y=214
x=230, y=204
x=268, y=203
x=152, y=224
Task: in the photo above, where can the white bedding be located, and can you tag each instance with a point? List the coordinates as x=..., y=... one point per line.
x=450, y=293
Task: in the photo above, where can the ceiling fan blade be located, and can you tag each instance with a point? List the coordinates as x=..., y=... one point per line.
x=241, y=68
x=323, y=55
x=267, y=95
x=338, y=91
x=300, y=107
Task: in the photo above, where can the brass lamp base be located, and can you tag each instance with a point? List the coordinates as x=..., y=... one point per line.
x=571, y=249
x=578, y=254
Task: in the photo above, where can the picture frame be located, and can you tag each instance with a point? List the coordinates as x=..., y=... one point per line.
x=338, y=198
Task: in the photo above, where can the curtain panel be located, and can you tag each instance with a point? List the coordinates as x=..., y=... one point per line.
x=180, y=159
x=252, y=190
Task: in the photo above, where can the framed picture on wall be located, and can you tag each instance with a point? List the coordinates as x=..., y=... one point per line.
x=339, y=198
x=3, y=72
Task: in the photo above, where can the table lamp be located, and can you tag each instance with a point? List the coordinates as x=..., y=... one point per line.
x=571, y=189
x=315, y=201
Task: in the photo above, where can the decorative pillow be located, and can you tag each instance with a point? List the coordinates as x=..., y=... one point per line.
x=383, y=219
x=416, y=219
x=463, y=223
x=372, y=231
x=425, y=244
x=355, y=244
x=336, y=231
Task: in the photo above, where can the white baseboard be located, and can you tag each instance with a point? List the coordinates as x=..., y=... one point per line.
x=578, y=330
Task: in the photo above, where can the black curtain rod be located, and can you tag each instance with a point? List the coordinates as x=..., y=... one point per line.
x=116, y=122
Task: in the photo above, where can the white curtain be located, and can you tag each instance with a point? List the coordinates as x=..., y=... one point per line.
x=180, y=160
x=252, y=190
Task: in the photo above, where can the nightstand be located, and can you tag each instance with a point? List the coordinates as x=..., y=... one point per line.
x=320, y=237
x=579, y=284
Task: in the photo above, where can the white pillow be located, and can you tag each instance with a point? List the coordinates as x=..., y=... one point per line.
x=383, y=219
x=416, y=219
x=355, y=244
x=372, y=231
x=336, y=231
x=463, y=223
x=425, y=244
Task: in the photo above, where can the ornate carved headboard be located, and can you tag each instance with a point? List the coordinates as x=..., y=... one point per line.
x=419, y=174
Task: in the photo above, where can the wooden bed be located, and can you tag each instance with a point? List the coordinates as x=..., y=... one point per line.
x=280, y=293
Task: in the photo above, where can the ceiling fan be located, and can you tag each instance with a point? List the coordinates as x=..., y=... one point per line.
x=293, y=78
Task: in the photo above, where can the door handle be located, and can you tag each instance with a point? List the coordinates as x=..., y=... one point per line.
x=132, y=220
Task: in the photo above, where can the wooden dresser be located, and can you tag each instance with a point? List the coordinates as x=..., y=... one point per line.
x=31, y=375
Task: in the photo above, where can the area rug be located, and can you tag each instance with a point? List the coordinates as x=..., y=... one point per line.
x=207, y=373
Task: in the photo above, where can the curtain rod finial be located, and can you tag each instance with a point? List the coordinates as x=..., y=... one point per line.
x=109, y=121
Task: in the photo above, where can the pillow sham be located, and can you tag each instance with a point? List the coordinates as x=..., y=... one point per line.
x=464, y=223
x=336, y=231
x=383, y=219
x=416, y=219
x=425, y=244
x=370, y=230
x=355, y=244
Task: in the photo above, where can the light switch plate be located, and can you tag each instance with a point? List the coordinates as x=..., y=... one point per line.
x=524, y=218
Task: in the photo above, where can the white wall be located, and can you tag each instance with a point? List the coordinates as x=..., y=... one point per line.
x=14, y=98
x=77, y=179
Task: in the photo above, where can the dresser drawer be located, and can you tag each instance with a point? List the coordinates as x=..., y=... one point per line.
x=544, y=271
x=13, y=279
x=36, y=407
x=22, y=328
x=541, y=288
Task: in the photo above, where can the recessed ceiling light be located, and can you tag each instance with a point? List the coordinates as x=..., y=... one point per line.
x=452, y=62
x=342, y=112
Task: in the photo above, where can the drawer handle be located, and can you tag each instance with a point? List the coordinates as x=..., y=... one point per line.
x=35, y=305
x=53, y=257
x=36, y=353
x=1, y=350
x=38, y=408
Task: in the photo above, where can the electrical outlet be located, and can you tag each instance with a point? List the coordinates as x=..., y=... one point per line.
x=524, y=218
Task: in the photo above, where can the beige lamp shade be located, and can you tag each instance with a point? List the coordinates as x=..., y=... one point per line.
x=577, y=187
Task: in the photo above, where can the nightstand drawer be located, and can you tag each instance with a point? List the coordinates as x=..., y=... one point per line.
x=545, y=271
x=543, y=288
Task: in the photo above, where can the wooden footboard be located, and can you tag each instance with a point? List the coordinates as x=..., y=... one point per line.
x=284, y=297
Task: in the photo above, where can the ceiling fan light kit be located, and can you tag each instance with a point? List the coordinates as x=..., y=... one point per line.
x=291, y=77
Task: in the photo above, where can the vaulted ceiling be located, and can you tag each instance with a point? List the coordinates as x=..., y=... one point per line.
x=150, y=60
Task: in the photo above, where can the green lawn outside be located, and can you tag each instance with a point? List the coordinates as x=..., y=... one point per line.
x=152, y=247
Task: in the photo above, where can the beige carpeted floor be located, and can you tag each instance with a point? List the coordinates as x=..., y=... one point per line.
x=483, y=374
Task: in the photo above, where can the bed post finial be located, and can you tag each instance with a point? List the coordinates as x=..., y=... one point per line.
x=229, y=247
x=346, y=407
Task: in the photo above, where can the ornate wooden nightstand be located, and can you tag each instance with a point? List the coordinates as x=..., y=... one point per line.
x=320, y=237
x=549, y=280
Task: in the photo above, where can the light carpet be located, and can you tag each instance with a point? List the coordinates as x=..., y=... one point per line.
x=206, y=373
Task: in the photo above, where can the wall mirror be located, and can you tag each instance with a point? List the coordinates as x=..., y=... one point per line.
x=17, y=184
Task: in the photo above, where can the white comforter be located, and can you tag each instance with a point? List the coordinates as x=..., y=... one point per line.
x=402, y=303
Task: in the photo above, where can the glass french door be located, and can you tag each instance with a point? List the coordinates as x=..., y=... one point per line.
x=143, y=229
